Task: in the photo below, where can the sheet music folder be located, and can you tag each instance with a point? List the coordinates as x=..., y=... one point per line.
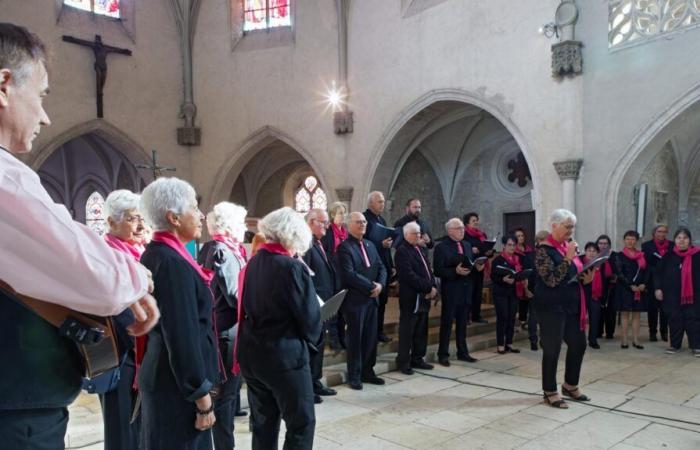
x=331, y=306
x=594, y=264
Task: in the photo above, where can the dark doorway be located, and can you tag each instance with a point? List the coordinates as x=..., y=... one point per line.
x=524, y=220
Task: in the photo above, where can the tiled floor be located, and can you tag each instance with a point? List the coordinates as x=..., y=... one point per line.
x=642, y=399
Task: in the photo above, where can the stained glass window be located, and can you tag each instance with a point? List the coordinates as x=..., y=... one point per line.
x=265, y=14
x=109, y=8
x=93, y=213
x=310, y=195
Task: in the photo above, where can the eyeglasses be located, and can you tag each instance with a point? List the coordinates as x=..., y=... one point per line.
x=324, y=222
x=359, y=221
x=133, y=219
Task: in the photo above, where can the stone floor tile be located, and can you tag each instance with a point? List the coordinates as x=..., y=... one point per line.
x=483, y=439
x=613, y=388
x=669, y=393
x=375, y=443
x=575, y=411
x=334, y=409
x=419, y=386
x=371, y=397
x=526, y=426
x=352, y=429
x=667, y=410
x=693, y=402
x=498, y=405
x=657, y=436
x=604, y=399
x=468, y=392
x=452, y=421
x=502, y=381
x=416, y=436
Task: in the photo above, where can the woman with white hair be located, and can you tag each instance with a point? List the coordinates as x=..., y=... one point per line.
x=126, y=227
x=181, y=363
x=280, y=321
x=560, y=306
x=226, y=257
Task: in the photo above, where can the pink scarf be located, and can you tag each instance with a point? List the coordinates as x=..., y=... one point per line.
x=475, y=233
x=233, y=245
x=661, y=246
x=687, y=291
x=270, y=247
x=561, y=248
x=169, y=239
x=122, y=246
x=514, y=261
x=597, y=284
x=638, y=257
x=340, y=233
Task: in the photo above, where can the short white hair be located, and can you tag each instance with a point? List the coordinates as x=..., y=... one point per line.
x=120, y=202
x=372, y=195
x=163, y=195
x=288, y=228
x=453, y=222
x=410, y=226
x=225, y=216
x=560, y=216
x=314, y=213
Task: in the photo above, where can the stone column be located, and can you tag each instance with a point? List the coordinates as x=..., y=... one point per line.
x=568, y=172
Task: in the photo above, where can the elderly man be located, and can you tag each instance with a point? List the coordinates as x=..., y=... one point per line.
x=364, y=275
x=323, y=275
x=456, y=286
x=49, y=257
x=413, y=214
x=375, y=207
x=416, y=290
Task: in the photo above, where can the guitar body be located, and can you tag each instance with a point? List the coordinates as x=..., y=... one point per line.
x=103, y=355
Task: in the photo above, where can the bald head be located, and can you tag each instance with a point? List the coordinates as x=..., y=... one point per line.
x=375, y=202
x=357, y=224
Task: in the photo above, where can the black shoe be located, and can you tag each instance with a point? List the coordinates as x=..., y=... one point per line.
x=356, y=385
x=624, y=346
x=374, y=380
x=467, y=358
x=653, y=338
x=384, y=338
x=664, y=337
x=671, y=351
x=481, y=320
x=444, y=362
x=326, y=391
x=422, y=365
x=609, y=337
x=241, y=413
x=510, y=349
x=501, y=352
x=533, y=346
x=317, y=399
x=407, y=371
x=593, y=345
x=637, y=346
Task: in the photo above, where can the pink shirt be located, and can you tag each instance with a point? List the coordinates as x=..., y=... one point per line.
x=45, y=254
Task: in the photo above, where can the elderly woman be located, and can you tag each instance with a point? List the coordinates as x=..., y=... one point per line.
x=506, y=293
x=337, y=232
x=126, y=227
x=181, y=364
x=560, y=306
x=225, y=256
x=280, y=322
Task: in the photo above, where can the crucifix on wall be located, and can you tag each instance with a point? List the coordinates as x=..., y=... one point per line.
x=156, y=169
x=100, y=51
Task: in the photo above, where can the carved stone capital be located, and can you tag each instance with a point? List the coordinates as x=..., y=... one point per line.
x=567, y=58
x=344, y=194
x=569, y=169
x=189, y=136
x=342, y=122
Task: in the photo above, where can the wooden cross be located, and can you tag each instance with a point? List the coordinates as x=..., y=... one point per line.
x=154, y=167
x=101, y=51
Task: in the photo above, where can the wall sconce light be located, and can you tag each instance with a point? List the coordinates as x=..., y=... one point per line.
x=549, y=29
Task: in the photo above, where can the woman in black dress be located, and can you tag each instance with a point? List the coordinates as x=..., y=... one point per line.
x=630, y=267
x=678, y=281
x=506, y=292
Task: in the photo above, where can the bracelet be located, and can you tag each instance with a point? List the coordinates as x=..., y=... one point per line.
x=205, y=412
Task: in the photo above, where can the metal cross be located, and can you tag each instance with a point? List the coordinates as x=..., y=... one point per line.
x=154, y=167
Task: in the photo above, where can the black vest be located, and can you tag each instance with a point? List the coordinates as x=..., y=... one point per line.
x=41, y=369
x=564, y=297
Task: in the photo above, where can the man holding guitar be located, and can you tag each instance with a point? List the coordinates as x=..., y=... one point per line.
x=53, y=269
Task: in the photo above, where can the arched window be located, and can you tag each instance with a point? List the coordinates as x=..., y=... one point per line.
x=310, y=195
x=266, y=14
x=636, y=21
x=93, y=213
x=109, y=8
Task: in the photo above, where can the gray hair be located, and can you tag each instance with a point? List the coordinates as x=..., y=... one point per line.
x=120, y=202
x=453, y=222
x=20, y=51
x=560, y=216
x=314, y=213
x=288, y=228
x=372, y=195
x=333, y=208
x=225, y=216
x=410, y=226
x=163, y=195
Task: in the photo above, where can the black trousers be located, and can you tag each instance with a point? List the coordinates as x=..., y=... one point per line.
x=276, y=395
x=684, y=320
x=609, y=315
x=381, y=308
x=117, y=407
x=555, y=327
x=506, y=307
x=316, y=363
x=361, y=339
x=476, y=296
x=523, y=307
x=225, y=407
x=457, y=312
x=33, y=429
x=654, y=313
x=594, y=316
x=413, y=338
x=532, y=324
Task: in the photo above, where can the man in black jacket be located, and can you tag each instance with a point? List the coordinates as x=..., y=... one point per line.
x=456, y=289
x=323, y=275
x=413, y=213
x=364, y=275
x=375, y=207
x=416, y=290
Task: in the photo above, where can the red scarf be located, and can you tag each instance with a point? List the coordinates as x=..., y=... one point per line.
x=661, y=246
x=526, y=249
x=561, y=248
x=475, y=233
x=169, y=239
x=597, y=284
x=514, y=261
x=123, y=246
x=236, y=248
x=638, y=257
x=340, y=233
x=687, y=291
x=270, y=247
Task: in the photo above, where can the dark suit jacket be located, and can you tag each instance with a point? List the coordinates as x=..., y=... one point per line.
x=421, y=223
x=414, y=282
x=218, y=257
x=182, y=349
x=324, y=273
x=355, y=275
x=384, y=253
x=453, y=287
x=281, y=314
x=500, y=288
